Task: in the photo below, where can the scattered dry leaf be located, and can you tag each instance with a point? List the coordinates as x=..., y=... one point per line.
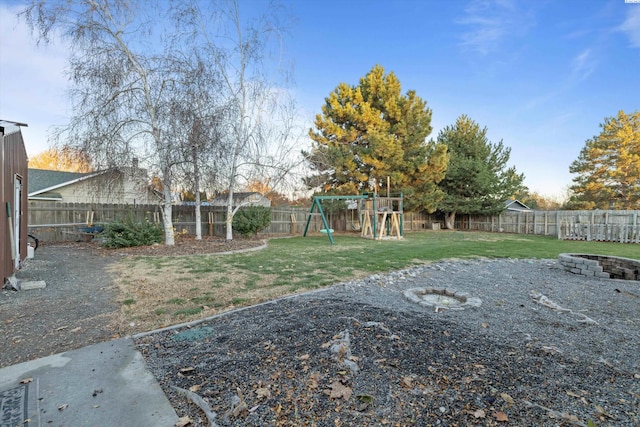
x=500, y=416
x=78, y=329
x=572, y=394
x=26, y=380
x=339, y=390
x=187, y=370
x=195, y=388
x=485, y=325
x=304, y=357
x=314, y=380
x=183, y=421
x=63, y=407
x=263, y=393
x=479, y=413
x=507, y=398
x=406, y=382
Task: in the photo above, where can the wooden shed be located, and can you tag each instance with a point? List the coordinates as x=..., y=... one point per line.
x=13, y=187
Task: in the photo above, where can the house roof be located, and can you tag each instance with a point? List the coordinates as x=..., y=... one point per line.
x=9, y=127
x=41, y=179
x=516, y=205
x=42, y=182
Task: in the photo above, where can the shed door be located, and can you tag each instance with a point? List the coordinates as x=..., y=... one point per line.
x=17, y=204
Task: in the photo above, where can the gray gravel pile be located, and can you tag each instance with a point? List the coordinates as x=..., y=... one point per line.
x=602, y=326
x=545, y=348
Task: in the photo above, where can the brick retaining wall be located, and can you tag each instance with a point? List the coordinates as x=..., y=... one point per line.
x=608, y=267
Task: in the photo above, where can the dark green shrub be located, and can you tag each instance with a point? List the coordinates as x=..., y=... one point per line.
x=125, y=234
x=252, y=219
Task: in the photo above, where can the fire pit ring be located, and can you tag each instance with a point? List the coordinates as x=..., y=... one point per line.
x=442, y=299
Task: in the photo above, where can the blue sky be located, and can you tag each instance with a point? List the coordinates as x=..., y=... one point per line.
x=540, y=75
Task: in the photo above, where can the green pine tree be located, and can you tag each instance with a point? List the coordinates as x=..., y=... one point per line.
x=372, y=131
x=477, y=179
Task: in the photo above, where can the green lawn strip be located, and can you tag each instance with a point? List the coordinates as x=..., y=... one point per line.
x=308, y=263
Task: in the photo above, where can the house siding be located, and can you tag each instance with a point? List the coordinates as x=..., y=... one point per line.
x=13, y=158
x=128, y=186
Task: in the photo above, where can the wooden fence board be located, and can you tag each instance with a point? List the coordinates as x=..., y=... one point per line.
x=52, y=221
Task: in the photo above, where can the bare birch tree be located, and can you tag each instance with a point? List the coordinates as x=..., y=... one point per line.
x=196, y=117
x=121, y=83
x=237, y=53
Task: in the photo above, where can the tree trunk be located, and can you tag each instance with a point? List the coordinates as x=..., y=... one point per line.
x=450, y=220
x=198, y=217
x=230, y=215
x=196, y=173
x=167, y=211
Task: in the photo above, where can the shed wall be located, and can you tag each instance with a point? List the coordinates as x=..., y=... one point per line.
x=14, y=161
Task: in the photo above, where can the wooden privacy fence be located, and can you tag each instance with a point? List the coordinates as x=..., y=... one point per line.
x=604, y=226
x=56, y=221
x=610, y=225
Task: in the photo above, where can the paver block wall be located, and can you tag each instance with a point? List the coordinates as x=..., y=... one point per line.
x=603, y=266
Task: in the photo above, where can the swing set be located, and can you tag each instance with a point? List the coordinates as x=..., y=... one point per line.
x=381, y=217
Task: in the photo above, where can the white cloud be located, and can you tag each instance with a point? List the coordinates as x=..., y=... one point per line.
x=631, y=26
x=490, y=22
x=583, y=65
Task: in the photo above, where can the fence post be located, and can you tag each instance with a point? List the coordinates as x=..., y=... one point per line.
x=293, y=223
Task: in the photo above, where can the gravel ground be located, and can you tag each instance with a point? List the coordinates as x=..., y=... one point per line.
x=76, y=308
x=545, y=348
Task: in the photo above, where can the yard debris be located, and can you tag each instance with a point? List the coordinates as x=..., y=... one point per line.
x=200, y=403
x=183, y=421
x=239, y=407
x=556, y=414
x=340, y=346
x=500, y=416
x=339, y=390
x=547, y=302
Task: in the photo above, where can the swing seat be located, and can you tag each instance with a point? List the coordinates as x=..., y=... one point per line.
x=324, y=230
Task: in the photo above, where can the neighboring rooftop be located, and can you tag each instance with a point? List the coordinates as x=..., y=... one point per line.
x=41, y=179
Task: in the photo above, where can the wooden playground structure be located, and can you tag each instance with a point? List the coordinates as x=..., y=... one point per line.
x=380, y=217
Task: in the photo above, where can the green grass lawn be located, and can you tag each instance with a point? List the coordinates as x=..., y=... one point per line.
x=309, y=262
x=292, y=264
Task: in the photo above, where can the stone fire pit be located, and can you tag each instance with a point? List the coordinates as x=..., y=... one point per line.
x=608, y=267
x=441, y=299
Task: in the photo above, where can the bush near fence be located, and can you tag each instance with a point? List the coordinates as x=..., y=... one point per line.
x=56, y=221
